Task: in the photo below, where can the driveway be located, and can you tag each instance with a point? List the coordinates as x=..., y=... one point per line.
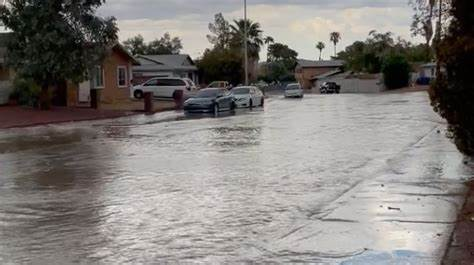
x=351, y=179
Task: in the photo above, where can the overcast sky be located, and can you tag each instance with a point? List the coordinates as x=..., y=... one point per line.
x=298, y=23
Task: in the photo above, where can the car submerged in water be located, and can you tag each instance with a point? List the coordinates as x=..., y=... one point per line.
x=213, y=100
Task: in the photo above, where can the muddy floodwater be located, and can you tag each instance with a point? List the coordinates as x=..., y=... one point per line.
x=351, y=179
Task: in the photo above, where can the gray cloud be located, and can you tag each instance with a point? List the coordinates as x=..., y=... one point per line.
x=168, y=9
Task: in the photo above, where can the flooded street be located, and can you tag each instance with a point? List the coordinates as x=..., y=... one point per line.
x=353, y=179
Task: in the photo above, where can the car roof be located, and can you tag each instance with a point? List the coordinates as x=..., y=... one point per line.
x=249, y=87
x=174, y=78
x=212, y=89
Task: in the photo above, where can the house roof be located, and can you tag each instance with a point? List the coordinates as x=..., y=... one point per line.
x=315, y=64
x=119, y=48
x=327, y=74
x=166, y=62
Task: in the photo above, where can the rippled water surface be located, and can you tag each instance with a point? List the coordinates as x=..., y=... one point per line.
x=325, y=179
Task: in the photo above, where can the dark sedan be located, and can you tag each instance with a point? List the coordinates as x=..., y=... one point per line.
x=210, y=100
x=330, y=88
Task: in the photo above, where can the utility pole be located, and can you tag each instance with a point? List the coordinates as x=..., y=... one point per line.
x=246, y=60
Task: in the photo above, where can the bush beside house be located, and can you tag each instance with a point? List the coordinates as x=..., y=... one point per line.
x=396, y=71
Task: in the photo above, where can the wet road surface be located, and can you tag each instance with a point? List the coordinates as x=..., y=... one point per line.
x=352, y=179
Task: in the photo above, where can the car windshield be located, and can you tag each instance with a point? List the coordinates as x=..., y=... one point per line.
x=216, y=85
x=292, y=87
x=241, y=90
x=208, y=93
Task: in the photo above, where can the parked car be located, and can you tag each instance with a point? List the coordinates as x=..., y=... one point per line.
x=210, y=100
x=248, y=96
x=219, y=84
x=164, y=87
x=294, y=91
x=423, y=81
x=330, y=88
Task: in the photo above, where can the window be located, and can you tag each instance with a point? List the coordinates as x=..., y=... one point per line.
x=241, y=91
x=122, y=76
x=98, y=77
x=171, y=82
x=153, y=82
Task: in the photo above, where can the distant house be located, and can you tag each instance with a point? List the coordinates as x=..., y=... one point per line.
x=113, y=77
x=170, y=65
x=307, y=70
x=428, y=70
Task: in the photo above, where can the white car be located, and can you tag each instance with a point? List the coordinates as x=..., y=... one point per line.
x=164, y=87
x=294, y=91
x=248, y=97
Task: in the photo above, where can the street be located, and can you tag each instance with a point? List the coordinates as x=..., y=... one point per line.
x=351, y=179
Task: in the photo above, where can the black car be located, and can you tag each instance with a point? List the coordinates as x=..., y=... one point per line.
x=211, y=100
x=330, y=88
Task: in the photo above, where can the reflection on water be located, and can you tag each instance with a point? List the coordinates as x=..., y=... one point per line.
x=248, y=186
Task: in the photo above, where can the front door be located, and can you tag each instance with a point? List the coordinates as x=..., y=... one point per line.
x=85, y=91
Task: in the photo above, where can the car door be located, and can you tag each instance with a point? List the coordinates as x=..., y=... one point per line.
x=223, y=99
x=180, y=84
x=166, y=88
x=151, y=86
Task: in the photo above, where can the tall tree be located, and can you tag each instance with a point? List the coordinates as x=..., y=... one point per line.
x=320, y=46
x=165, y=45
x=136, y=45
x=221, y=32
x=254, y=36
x=335, y=37
x=54, y=41
x=452, y=93
x=269, y=40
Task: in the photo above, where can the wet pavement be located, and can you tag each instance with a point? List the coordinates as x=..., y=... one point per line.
x=351, y=179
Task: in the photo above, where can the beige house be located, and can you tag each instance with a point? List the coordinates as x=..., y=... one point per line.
x=307, y=70
x=113, y=77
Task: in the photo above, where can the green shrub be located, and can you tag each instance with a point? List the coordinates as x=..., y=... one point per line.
x=396, y=71
x=26, y=92
x=452, y=93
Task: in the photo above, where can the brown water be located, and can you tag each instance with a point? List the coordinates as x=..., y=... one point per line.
x=301, y=181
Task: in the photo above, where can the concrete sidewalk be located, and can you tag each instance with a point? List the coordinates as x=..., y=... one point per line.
x=461, y=248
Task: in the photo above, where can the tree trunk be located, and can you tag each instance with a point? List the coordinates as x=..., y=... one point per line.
x=44, y=100
x=438, y=41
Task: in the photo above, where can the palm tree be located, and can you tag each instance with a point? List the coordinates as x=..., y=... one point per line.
x=269, y=40
x=254, y=36
x=335, y=37
x=320, y=46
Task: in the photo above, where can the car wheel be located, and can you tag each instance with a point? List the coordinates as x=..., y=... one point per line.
x=216, y=109
x=233, y=106
x=262, y=102
x=138, y=94
x=250, y=104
